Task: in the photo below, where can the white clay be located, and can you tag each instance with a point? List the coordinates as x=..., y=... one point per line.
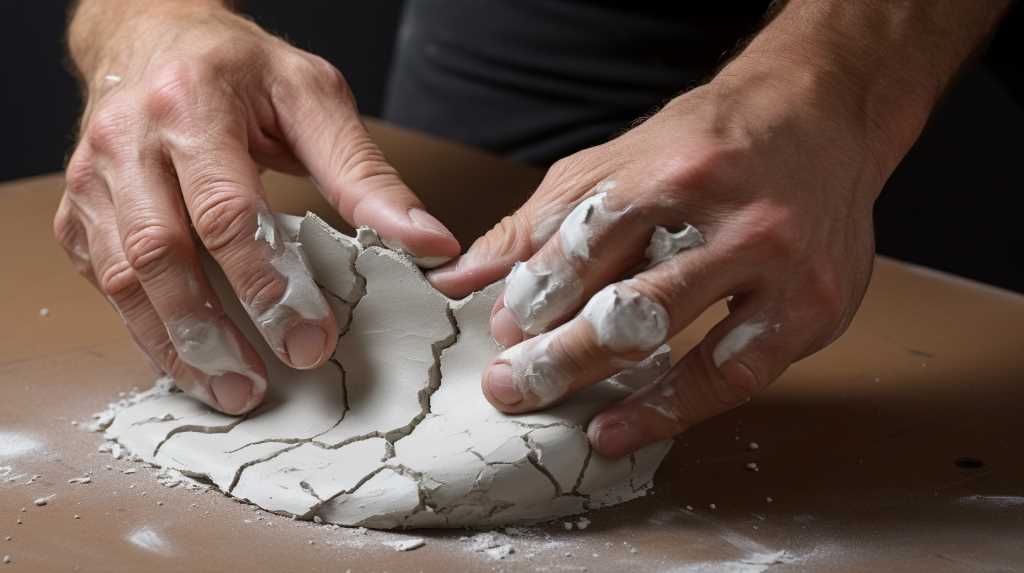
x=665, y=244
x=588, y=218
x=266, y=229
x=738, y=338
x=301, y=299
x=625, y=320
x=394, y=432
x=535, y=370
x=537, y=297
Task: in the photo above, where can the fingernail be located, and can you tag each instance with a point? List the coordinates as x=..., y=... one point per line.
x=305, y=345
x=427, y=222
x=505, y=329
x=614, y=439
x=233, y=392
x=499, y=383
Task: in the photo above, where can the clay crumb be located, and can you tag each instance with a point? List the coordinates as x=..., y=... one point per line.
x=129, y=471
x=80, y=480
x=8, y=538
x=689, y=508
x=7, y=559
x=78, y=516
x=44, y=312
x=753, y=446
x=500, y=552
x=41, y=501
x=752, y=466
x=769, y=499
x=582, y=523
x=712, y=506
x=406, y=544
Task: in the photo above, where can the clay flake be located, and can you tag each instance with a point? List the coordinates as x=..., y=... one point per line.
x=393, y=431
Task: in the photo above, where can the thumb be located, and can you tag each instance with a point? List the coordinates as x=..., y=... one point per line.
x=517, y=236
x=319, y=120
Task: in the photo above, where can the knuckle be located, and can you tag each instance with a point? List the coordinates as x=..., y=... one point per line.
x=825, y=297
x=172, y=91
x=705, y=170
x=119, y=283
x=304, y=76
x=110, y=127
x=357, y=158
x=79, y=175
x=65, y=228
x=321, y=74
x=260, y=288
x=772, y=232
x=151, y=249
x=510, y=237
x=225, y=214
x=576, y=354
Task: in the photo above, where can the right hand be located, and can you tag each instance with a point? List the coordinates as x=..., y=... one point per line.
x=180, y=119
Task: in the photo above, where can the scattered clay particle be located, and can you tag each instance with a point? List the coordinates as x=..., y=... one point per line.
x=567, y=525
x=582, y=523
x=8, y=538
x=752, y=466
x=317, y=519
x=74, y=422
x=769, y=499
x=404, y=544
x=753, y=446
x=41, y=501
x=159, y=503
x=77, y=516
x=712, y=506
x=7, y=559
x=311, y=542
x=634, y=550
x=44, y=312
x=80, y=480
x=129, y=471
x=689, y=508
x=19, y=521
x=500, y=552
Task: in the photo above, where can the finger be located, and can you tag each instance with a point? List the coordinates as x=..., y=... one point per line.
x=222, y=192
x=96, y=248
x=619, y=326
x=320, y=122
x=601, y=240
x=516, y=237
x=159, y=252
x=742, y=355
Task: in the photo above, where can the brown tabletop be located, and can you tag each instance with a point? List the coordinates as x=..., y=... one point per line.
x=899, y=448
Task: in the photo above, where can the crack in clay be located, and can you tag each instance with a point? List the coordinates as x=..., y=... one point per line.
x=196, y=429
x=534, y=458
x=250, y=463
x=156, y=419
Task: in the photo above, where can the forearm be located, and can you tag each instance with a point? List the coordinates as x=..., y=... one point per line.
x=888, y=61
x=103, y=33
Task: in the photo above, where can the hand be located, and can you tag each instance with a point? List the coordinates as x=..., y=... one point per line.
x=185, y=107
x=777, y=177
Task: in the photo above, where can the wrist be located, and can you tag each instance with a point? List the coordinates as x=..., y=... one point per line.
x=107, y=37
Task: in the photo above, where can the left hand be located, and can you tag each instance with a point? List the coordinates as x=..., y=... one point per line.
x=776, y=172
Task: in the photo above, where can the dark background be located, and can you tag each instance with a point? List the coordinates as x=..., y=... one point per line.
x=948, y=206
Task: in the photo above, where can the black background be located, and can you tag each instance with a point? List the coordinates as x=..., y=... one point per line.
x=950, y=205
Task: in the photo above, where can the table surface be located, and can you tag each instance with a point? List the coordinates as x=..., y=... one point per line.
x=898, y=448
